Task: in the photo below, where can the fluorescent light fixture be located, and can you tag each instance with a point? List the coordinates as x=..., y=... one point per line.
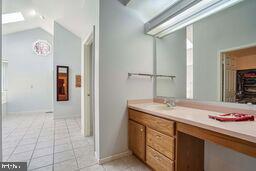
x=195, y=13
x=12, y=17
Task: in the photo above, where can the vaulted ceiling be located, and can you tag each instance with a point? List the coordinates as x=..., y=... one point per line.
x=68, y=13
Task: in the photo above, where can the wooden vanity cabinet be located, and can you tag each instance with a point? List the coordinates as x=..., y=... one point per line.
x=164, y=126
x=137, y=136
x=152, y=139
x=161, y=142
x=157, y=161
x=167, y=145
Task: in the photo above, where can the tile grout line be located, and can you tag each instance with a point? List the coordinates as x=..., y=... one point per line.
x=53, y=146
x=79, y=126
x=15, y=129
x=51, y=164
x=8, y=136
x=12, y=131
x=69, y=124
x=21, y=138
x=36, y=143
x=39, y=133
x=72, y=145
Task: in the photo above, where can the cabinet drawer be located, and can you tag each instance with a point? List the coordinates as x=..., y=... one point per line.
x=162, y=125
x=158, y=161
x=161, y=142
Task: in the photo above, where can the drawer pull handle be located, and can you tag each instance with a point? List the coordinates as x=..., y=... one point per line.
x=141, y=130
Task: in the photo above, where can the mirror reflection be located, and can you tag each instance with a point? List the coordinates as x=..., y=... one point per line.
x=213, y=59
x=62, y=83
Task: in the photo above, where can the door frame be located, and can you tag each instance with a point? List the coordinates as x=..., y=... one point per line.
x=220, y=67
x=88, y=123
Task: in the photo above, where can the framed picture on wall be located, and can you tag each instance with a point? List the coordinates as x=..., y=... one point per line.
x=62, y=78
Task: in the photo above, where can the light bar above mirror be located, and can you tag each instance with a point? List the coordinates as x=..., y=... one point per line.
x=184, y=13
x=148, y=9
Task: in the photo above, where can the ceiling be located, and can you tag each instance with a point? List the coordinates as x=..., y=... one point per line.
x=68, y=13
x=148, y=9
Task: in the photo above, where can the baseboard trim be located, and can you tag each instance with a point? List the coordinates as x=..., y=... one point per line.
x=64, y=116
x=114, y=157
x=29, y=112
x=96, y=156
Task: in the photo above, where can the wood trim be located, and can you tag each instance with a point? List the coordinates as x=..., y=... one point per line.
x=162, y=125
x=242, y=52
x=78, y=81
x=236, y=144
x=189, y=153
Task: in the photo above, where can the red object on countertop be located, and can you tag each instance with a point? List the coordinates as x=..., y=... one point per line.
x=233, y=117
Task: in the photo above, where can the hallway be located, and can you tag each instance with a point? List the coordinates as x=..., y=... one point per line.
x=47, y=144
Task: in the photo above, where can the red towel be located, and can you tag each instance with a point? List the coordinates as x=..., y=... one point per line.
x=233, y=117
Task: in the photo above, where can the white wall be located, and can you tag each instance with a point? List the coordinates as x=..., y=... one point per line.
x=123, y=48
x=231, y=28
x=171, y=60
x=29, y=75
x=91, y=18
x=67, y=52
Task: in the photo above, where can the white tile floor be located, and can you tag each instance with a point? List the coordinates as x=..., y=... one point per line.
x=55, y=145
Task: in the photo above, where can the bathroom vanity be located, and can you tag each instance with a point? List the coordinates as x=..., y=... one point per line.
x=173, y=139
x=206, y=63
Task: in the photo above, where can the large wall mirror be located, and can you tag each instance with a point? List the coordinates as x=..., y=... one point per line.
x=213, y=59
x=62, y=83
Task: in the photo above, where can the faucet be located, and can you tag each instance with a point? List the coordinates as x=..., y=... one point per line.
x=170, y=101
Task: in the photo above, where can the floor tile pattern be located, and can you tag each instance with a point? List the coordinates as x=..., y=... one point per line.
x=48, y=144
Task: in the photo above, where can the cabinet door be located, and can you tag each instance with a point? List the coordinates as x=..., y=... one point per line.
x=137, y=139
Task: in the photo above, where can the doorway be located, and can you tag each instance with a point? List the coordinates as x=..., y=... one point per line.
x=239, y=75
x=88, y=87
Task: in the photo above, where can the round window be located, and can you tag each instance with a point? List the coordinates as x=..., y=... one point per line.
x=42, y=47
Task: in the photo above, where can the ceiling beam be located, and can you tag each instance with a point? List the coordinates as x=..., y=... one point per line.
x=171, y=12
x=125, y=2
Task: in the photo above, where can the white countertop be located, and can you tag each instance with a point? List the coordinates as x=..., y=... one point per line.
x=245, y=130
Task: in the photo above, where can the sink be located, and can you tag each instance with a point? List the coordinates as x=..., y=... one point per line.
x=159, y=107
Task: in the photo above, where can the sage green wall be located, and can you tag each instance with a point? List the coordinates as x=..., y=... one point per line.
x=171, y=60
